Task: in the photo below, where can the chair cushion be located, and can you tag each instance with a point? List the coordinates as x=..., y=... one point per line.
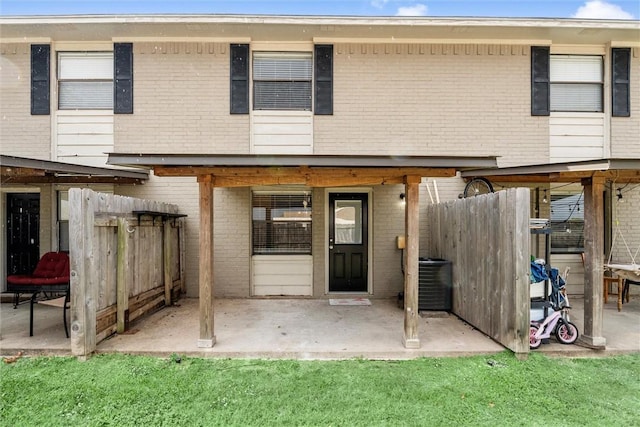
x=52, y=270
x=52, y=265
x=19, y=279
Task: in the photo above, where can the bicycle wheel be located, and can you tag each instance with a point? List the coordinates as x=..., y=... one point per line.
x=567, y=332
x=477, y=187
x=533, y=341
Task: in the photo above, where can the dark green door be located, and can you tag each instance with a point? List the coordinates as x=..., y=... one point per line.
x=23, y=232
x=348, y=242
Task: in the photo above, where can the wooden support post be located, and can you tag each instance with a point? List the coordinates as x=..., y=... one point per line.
x=182, y=245
x=166, y=262
x=207, y=337
x=122, y=276
x=594, y=261
x=84, y=294
x=412, y=239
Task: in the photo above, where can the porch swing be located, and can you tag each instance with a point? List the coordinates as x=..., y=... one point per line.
x=630, y=273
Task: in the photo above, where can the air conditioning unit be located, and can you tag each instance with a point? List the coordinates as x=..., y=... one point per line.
x=435, y=287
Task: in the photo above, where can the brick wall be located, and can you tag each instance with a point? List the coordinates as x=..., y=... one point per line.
x=181, y=102
x=232, y=242
x=21, y=133
x=625, y=131
x=388, y=223
x=463, y=100
x=626, y=213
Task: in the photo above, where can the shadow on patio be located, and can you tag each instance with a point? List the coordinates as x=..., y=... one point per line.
x=299, y=328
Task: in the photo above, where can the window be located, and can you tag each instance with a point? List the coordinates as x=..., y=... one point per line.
x=281, y=223
x=282, y=80
x=576, y=83
x=63, y=221
x=567, y=222
x=85, y=80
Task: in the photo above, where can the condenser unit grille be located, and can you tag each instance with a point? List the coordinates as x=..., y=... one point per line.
x=434, y=285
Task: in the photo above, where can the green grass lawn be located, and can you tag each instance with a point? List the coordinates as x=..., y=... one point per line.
x=496, y=390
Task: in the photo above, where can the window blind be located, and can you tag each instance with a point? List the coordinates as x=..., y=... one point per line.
x=85, y=95
x=85, y=65
x=281, y=223
x=576, y=83
x=282, y=80
x=85, y=80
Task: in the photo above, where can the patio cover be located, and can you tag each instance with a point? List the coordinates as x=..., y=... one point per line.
x=620, y=170
x=238, y=170
x=243, y=170
x=23, y=170
x=593, y=174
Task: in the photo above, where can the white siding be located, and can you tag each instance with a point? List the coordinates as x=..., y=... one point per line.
x=576, y=136
x=575, y=283
x=83, y=137
x=282, y=132
x=282, y=275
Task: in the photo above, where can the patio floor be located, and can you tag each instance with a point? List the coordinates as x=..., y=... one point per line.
x=302, y=329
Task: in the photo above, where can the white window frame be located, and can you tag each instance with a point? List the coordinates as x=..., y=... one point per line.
x=299, y=78
x=85, y=80
x=577, y=83
x=302, y=220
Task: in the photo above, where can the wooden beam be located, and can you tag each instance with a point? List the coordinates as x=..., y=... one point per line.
x=207, y=337
x=182, y=251
x=594, y=261
x=412, y=238
x=625, y=176
x=80, y=179
x=122, y=284
x=166, y=262
x=317, y=176
x=8, y=171
x=299, y=171
x=311, y=181
x=84, y=292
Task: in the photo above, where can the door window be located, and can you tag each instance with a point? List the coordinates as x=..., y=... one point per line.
x=348, y=222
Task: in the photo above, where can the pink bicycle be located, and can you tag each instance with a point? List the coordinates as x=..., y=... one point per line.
x=555, y=323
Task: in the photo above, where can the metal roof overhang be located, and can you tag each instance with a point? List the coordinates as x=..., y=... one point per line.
x=234, y=170
x=22, y=170
x=623, y=170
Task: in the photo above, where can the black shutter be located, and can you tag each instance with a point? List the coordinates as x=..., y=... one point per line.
x=123, y=78
x=540, y=83
x=323, y=84
x=620, y=82
x=40, y=79
x=239, y=81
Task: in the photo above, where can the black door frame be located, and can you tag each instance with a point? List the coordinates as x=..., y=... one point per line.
x=369, y=231
x=34, y=246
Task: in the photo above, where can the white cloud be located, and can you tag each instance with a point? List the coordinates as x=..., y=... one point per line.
x=379, y=3
x=415, y=10
x=597, y=9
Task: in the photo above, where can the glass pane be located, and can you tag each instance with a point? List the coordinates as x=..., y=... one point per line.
x=86, y=95
x=282, y=66
x=567, y=223
x=565, y=68
x=576, y=97
x=270, y=95
x=85, y=65
x=348, y=222
x=281, y=223
x=63, y=205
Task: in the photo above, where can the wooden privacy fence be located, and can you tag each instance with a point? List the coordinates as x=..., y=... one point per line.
x=487, y=239
x=127, y=259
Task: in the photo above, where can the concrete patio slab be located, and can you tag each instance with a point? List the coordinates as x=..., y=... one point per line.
x=301, y=329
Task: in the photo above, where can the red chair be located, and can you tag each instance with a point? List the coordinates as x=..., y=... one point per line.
x=51, y=275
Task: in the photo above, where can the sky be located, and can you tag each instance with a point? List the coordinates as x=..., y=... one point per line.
x=584, y=9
